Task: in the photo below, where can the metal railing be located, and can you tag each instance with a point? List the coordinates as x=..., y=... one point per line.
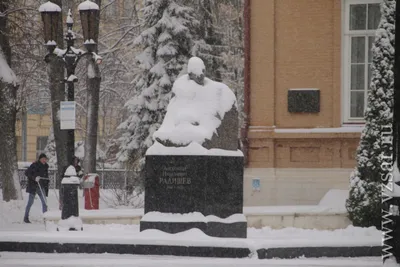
x=109, y=178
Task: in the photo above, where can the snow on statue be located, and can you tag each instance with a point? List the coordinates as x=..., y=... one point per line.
x=201, y=111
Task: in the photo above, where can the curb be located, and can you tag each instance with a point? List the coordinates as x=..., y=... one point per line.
x=193, y=251
x=319, y=252
x=210, y=252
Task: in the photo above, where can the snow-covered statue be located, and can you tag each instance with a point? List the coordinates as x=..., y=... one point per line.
x=201, y=111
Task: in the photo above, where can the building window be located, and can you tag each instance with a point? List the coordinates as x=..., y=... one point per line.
x=41, y=143
x=362, y=18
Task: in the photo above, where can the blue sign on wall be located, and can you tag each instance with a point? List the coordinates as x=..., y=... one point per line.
x=256, y=184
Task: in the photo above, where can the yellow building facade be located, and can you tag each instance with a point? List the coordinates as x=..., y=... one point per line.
x=306, y=46
x=32, y=138
x=32, y=143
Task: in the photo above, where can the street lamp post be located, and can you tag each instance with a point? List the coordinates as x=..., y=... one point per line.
x=89, y=14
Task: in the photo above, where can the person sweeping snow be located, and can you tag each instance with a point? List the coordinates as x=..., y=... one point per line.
x=38, y=183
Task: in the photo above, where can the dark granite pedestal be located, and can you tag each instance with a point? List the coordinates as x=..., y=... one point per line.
x=71, y=202
x=233, y=229
x=210, y=185
x=70, y=210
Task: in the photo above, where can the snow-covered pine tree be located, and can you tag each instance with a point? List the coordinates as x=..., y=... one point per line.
x=168, y=40
x=209, y=41
x=364, y=202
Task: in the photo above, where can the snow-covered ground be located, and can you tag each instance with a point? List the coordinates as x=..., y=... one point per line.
x=12, y=228
x=100, y=260
x=333, y=202
x=11, y=215
x=265, y=237
x=14, y=210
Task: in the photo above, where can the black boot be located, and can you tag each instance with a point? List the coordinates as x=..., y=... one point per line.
x=26, y=220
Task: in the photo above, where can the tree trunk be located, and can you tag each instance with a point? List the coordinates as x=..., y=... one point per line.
x=8, y=115
x=93, y=95
x=57, y=92
x=92, y=121
x=8, y=160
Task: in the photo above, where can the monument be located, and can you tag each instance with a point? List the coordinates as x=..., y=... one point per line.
x=194, y=170
x=70, y=220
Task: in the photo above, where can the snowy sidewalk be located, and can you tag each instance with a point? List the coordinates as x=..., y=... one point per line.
x=292, y=241
x=99, y=260
x=350, y=236
x=193, y=237
x=128, y=238
x=330, y=213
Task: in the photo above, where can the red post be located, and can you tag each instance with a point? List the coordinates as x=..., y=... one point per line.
x=92, y=194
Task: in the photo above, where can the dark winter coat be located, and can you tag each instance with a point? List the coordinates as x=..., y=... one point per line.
x=35, y=170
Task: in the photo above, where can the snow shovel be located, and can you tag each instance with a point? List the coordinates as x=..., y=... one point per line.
x=41, y=191
x=45, y=200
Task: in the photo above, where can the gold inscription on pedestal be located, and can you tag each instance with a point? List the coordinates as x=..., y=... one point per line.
x=175, y=175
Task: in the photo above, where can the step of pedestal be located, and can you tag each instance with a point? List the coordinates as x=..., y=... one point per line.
x=276, y=217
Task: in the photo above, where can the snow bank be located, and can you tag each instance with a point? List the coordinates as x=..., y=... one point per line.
x=124, y=212
x=49, y=7
x=125, y=260
x=295, y=233
x=190, y=217
x=294, y=210
x=88, y=5
x=391, y=262
x=72, y=222
x=193, y=237
x=231, y=219
x=193, y=149
x=12, y=211
x=108, y=205
x=367, y=235
x=265, y=238
x=335, y=198
x=293, y=237
x=98, y=214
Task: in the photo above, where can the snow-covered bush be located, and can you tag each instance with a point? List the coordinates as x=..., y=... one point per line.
x=364, y=202
x=119, y=197
x=50, y=151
